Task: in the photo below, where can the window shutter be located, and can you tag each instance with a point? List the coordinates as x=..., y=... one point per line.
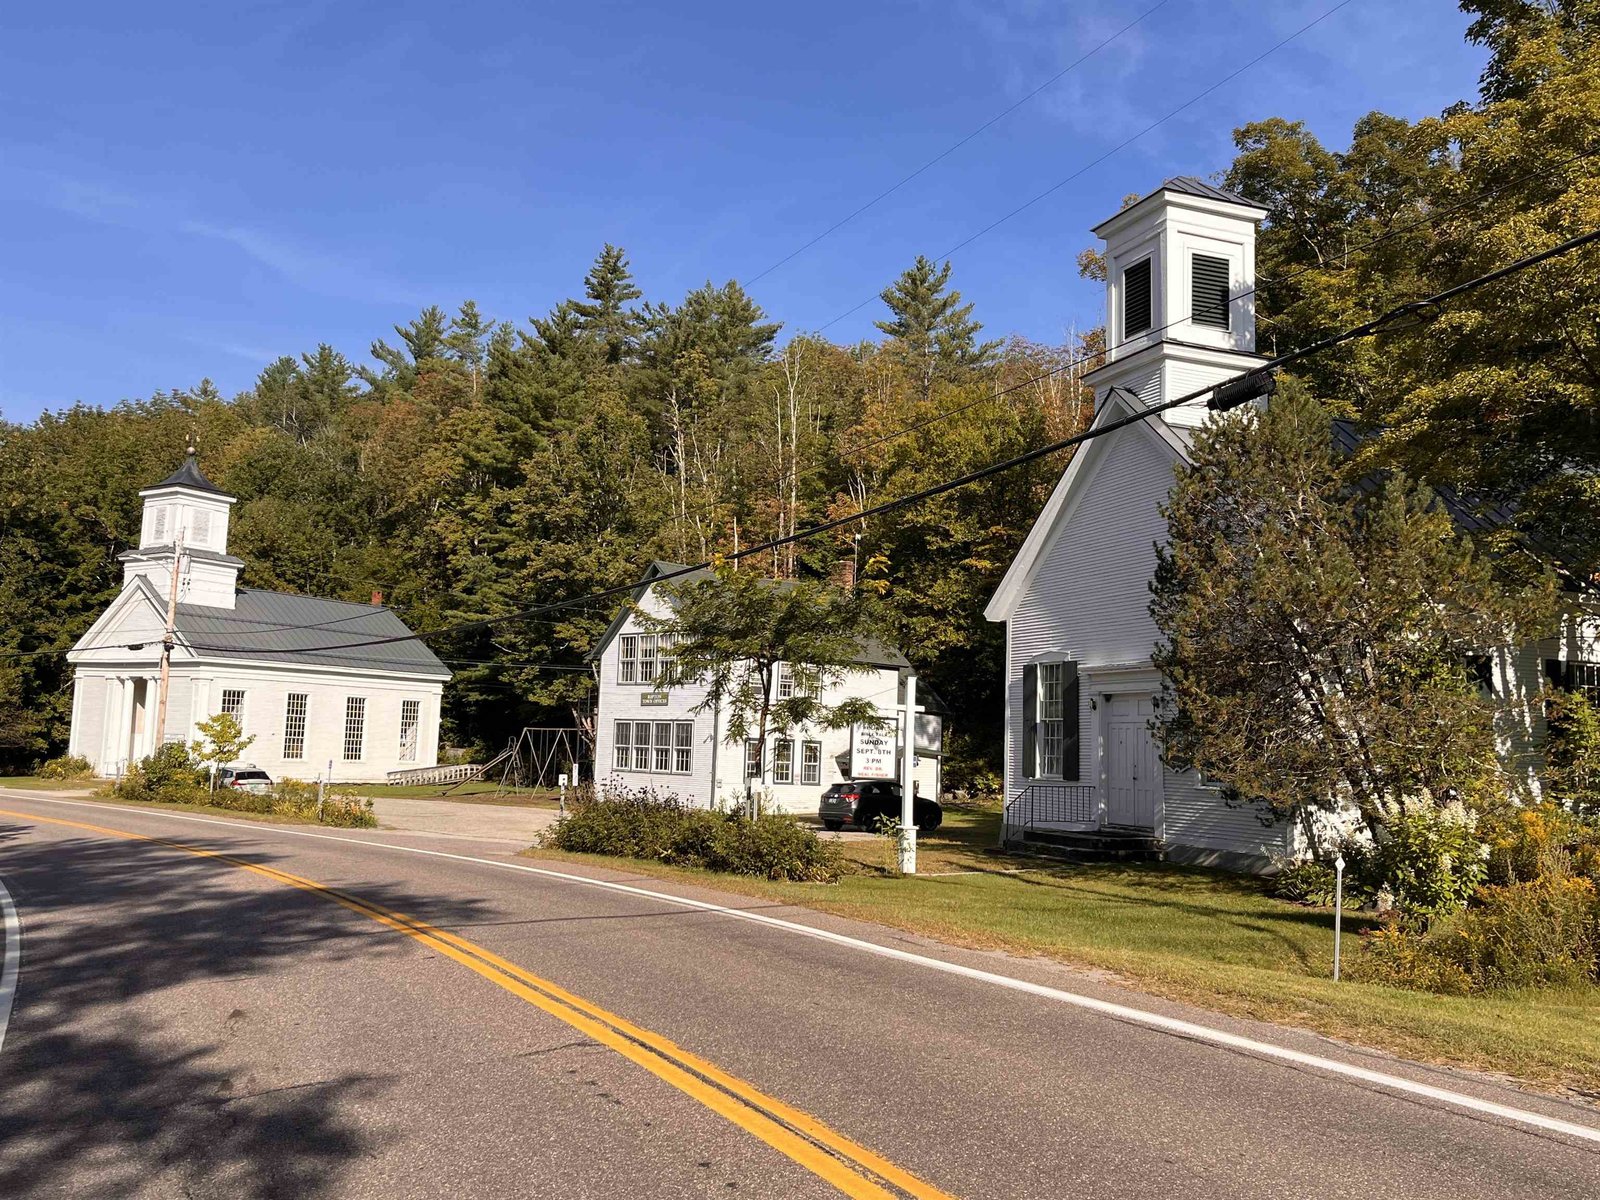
x=1136, y=299
x=1209, y=291
x=1030, y=720
x=1069, y=722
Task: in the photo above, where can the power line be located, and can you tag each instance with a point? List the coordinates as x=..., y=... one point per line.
x=949, y=150
x=1432, y=218
x=1391, y=318
x=1118, y=148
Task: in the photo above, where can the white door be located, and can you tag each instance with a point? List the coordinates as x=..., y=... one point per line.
x=1133, y=765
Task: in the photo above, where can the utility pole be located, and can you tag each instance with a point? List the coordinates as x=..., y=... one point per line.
x=167, y=640
x=908, y=782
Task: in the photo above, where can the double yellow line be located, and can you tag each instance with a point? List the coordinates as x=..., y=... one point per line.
x=851, y=1168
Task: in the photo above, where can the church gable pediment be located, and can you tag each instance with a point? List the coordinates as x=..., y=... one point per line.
x=135, y=617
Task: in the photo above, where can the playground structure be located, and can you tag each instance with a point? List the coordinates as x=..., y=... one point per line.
x=533, y=760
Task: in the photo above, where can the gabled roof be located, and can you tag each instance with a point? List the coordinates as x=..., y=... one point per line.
x=282, y=627
x=873, y=653
x=187, y=476
x=1118, y=403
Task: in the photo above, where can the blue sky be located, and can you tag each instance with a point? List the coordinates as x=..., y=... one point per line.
x=191, y=190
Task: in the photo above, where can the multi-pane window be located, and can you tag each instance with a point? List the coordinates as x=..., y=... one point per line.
x=783, y=761
x=1575, y=675
x=355, y=727
x=294, y=725
x=811, y=762
x=410, y=723
x=1052, y=718
x=785, y=681
x=683, y=761
x=666, y=660
x=752, y=758
x=663, y=747
x=644, y=658
x=233, y=704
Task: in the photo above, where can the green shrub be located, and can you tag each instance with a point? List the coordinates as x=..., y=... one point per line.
x=1544, y=932
x=1306, y=882
x=651, y=825
x=292, y=797
x=67, y=766
x=1572, y=750
x=169, y=776
x=1405, y=956
x=1429, y=856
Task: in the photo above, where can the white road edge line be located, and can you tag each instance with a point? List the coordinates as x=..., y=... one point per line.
x=11, y=967
x=1122, y=1012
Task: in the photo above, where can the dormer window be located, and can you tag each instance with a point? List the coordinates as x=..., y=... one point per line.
x=1209, y=291
x=1136, y=308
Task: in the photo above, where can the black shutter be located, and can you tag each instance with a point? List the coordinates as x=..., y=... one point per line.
x=1210, y=291
x=1136, y=299
x=1030, y=721
x=1069, y=721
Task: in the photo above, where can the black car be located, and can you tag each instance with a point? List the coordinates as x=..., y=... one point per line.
x=865, y=802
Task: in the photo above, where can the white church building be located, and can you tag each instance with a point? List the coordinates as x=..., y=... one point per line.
x=1083, y=766
x=315, y=682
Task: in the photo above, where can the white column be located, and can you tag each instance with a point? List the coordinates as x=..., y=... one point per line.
x=123, y=730
x=199, y=705
x=75, y=734
x=152, y=686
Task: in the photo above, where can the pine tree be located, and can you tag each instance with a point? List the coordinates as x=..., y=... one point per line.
x=605, y=317
x=933, y=332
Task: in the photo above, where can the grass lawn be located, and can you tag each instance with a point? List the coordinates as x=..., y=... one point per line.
x=466, y=793
x=34, y=783
x=1202, y=936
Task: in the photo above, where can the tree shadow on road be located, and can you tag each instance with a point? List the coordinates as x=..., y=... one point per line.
x=96, y=1098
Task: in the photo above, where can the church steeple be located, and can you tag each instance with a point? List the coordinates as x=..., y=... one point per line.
x=1180, y=293
x=186, y=510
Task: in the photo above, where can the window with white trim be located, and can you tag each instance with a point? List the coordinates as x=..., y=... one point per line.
x=666, y=659
x=623, y=742
x=233, y=704
x=752, y=758
x=683, y=760
x=785, y=681
x=647, y=658
x=1052, y=718
x=660, y=747
x=644, y=658
x=783, y=760
x=410, y=724
x=811, y=762
x=294, y=724
x=355, y=727
x=628, y=658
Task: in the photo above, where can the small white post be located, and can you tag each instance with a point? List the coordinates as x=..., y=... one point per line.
x=561, y=800
x=1338, y=910
x=908, y=782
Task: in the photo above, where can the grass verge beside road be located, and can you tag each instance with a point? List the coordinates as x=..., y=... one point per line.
x=1200, y=936
x=466, y=793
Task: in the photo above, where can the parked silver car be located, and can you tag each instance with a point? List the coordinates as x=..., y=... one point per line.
x=246, y=779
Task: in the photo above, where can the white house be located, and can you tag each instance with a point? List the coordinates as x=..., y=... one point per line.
x=311, y=680
x=1082, y=765
x=653, y=732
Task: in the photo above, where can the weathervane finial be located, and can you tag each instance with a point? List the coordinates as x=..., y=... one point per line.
x=191, y=450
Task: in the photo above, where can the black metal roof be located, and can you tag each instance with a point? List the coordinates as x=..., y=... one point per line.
x=188, y=476
x=1193, y=185
x=282, y=627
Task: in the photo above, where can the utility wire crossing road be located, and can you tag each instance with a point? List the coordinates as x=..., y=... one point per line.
x=199, y=1012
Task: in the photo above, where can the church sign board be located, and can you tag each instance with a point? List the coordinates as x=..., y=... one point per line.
x=872, y=752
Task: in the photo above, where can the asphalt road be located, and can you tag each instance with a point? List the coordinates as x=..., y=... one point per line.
x=326, y=1015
